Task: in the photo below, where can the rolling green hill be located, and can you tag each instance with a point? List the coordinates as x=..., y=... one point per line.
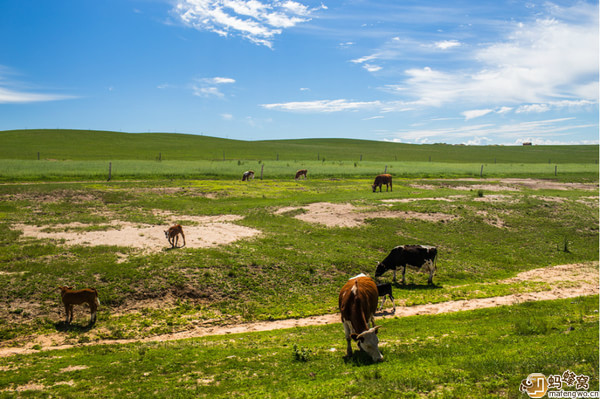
x=103, y=145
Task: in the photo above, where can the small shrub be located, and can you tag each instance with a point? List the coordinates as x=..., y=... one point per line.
x=301, y=354
x=480, y=193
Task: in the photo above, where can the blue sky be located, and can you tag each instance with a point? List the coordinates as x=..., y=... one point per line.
x=472, y=72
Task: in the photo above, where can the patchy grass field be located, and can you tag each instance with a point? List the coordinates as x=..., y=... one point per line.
x=476, y=354
x=304, y=240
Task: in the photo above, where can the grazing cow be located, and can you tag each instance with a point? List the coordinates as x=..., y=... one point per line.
x=384, y=290
x=301, y=172
x=421, y=258
x=358, y=303
x=249, y=174
x=72, y=297
x=380, y=180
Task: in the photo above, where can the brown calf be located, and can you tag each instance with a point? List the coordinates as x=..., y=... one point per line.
x=381, y=180
x=301, y=172
x=72, y=297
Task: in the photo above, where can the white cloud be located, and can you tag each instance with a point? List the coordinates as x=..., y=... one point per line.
x=256, y=20
x=547, y=60
x=12, y=96
x=227, y=117
x=476, y=113
x=447, y=44
x=528, y=108
x=557, y=130
x=219, y=80
x=209, y=87
x=372, y=67
x=324, y=106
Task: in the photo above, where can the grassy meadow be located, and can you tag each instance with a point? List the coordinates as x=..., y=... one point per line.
x=293, y=268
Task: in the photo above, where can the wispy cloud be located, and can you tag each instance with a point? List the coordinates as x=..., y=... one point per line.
x=476, y=113
x=12, y=92
x=447, y=44
x=256, y=20
x=324, y=106
x=556, y=131
x=539, y=62
x=209, y=87
x=8, y=96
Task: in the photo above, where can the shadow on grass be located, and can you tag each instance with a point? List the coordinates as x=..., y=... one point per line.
x=64, y=327
x=418, y=287
x=359, y=358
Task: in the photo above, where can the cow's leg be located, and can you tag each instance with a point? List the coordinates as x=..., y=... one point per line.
x=394, y=275
x=382, y=302
x=93, y=309
x=430, y=280
x=391, y=188
x=66, y=313
x=403, y=273
x=393, y=303
x=348, y=331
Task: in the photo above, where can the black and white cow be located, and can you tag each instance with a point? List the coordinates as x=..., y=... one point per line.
x=418, y=257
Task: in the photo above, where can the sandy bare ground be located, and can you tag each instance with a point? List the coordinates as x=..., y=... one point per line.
x=348, y=215
x=205, y=231
x=514, y=185
x=566, y=281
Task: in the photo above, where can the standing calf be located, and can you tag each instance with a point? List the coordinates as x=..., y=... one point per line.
x=72, y=297
x=384, y=290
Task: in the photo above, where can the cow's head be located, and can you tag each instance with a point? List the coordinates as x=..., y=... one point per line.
x=368, y=342
x=381, y=268
x=374, y=187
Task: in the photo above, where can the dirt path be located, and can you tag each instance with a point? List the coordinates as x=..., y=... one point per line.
x=567, y=281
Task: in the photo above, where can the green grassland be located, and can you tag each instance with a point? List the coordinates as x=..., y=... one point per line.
x=292, y=269
x=99, y=145
x=477, y=354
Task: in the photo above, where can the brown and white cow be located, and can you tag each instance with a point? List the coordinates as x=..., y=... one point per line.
x=301, y=172
x=72, y=297
x=421, y=258
x=380, y=180
x=358, y=303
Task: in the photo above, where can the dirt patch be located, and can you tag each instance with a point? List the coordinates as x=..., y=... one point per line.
x=208, y=231
x=491, y=220
x=566, y=281
x=72, y=196
x=509, y=185
x=348, y=215
x=451, y=198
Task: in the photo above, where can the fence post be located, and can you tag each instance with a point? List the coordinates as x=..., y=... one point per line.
x=481, y=173
x=555, y=170
x=38, y=155
x=261, y=171
x=109, y=171
x=385, y=169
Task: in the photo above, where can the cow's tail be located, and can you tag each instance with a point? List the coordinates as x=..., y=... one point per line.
x=96, y=298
